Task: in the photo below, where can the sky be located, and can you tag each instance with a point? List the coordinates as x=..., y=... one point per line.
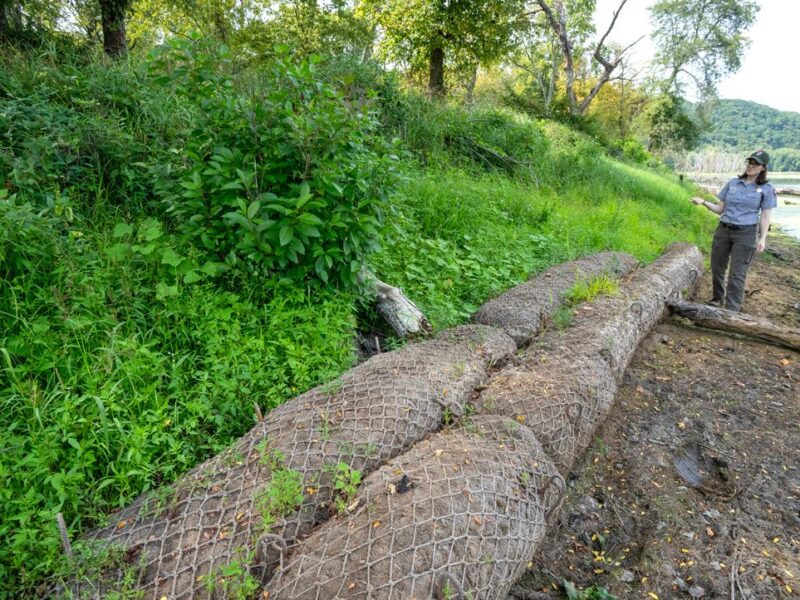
x=768, y=71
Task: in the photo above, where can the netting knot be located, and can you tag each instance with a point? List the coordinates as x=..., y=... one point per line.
x=561, y=489
x=270, y=540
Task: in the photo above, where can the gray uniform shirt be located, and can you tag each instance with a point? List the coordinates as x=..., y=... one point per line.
x=745, y=201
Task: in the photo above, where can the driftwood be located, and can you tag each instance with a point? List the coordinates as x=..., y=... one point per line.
x=725, y=320
x=787, y=192
x=402, y=315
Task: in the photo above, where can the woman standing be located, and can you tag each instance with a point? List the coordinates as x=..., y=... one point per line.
x=744, y=208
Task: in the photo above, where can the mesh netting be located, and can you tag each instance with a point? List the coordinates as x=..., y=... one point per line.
x=373, y=412
x=565, y=382
x=561, y=400
x=520, y=311
x=456, y=516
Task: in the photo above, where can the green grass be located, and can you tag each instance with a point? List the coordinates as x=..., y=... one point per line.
x=458, y=237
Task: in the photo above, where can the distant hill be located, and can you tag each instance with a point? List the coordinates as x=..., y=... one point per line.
x=743, y=126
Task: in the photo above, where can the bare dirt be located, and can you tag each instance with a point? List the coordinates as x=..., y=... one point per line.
x=692, y=487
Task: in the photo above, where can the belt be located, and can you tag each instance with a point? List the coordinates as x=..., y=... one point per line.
x=736, y=227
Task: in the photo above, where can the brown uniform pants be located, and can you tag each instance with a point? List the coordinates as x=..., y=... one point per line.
x=737, y=245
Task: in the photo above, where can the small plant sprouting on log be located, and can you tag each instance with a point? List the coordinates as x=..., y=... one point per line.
x=589, y=289
x=283, y=495
x=91, y=560
x=345, y=485
x=232, y=580
x=562, y=318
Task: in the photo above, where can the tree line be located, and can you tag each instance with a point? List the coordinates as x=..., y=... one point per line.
x=544, y=57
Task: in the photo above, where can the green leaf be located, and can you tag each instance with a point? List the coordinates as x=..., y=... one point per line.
x=170, y=257
x=209, y=268
x=570, y=590
x=166, y=291
x=236, y=219
x=119, y=251
x=192, y=277
x=286, y=235
x=121, y=230
x=253, y=209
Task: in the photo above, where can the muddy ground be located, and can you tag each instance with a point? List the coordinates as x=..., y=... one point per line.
x=692, y=487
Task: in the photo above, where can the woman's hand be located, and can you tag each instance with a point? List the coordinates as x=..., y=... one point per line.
x=696, y=200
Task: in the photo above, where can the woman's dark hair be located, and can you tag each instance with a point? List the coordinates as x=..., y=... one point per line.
x=761, y=179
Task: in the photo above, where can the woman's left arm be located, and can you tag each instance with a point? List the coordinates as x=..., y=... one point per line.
x=763, y=229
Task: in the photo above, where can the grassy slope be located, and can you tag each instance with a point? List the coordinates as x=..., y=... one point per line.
x=106, y=390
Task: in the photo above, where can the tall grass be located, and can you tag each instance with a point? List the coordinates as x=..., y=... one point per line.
x=108, y=388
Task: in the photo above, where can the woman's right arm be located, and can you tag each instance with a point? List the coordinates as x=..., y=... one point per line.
x=717, y=208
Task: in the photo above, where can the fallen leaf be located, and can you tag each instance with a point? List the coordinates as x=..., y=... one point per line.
x=710, y=532
x=121, y=524
x=652, y=595
x=376, y=524
x=477, y=521
x=785, y=362
x=351, y=586
x=681, y=425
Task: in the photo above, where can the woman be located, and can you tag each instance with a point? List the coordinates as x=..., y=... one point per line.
x=744, y=208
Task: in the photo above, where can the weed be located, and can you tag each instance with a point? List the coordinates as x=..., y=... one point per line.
x=345, y=484
x=283, y=494
x=232, y=580
x=345, y=448
x=447, y=416
x=562, y=317
x=590, y=593
x=586, y=290
x=324, y=427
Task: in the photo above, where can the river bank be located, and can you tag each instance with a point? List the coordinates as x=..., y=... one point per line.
x=692, y=488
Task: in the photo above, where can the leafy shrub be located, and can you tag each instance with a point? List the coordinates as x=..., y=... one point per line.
x=285, y=179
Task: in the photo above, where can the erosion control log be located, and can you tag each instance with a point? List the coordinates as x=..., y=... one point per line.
x=522, y=310
x=247, y=504
x=475, y=497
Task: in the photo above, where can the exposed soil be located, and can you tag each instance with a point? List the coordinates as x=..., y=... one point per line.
x=692, y=487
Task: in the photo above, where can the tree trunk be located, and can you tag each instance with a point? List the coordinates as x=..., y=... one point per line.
x=473, y=78
x=115, y=42
x=725, y=320
x=436, y=72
